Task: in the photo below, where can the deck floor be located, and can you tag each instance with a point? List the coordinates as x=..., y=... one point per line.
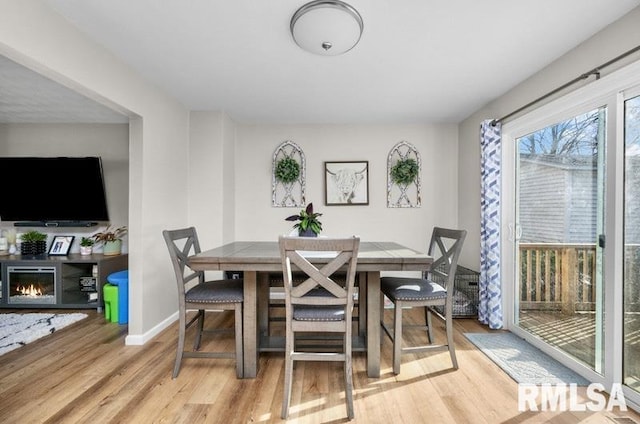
x=576, y=335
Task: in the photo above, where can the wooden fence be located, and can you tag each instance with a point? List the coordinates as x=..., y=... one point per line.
x=557, y=277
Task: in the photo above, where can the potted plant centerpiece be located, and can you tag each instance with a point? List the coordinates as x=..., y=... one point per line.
x=34, y=243
x=111, y=239
x=86, y=245
x=308, y=225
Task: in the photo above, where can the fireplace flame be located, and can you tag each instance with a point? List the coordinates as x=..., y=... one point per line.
x=29, y=290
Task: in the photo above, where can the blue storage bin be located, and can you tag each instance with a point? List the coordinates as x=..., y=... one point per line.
x=121, y=279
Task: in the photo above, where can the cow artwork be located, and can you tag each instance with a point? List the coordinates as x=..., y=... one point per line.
x=347, y=183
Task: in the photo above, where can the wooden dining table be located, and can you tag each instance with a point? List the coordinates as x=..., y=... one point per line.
x=260, y=259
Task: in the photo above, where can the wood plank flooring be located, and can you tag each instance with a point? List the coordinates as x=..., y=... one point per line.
x=85, y=374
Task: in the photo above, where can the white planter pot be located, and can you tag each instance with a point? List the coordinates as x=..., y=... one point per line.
x=112, y=248
x=86, y=250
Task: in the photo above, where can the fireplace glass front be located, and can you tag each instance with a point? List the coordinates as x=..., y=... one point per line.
x=31, y=285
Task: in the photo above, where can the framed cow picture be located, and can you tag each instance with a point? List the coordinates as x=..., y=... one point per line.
x=346, y=183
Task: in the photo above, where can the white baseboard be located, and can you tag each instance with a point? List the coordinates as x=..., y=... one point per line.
x=140, y=339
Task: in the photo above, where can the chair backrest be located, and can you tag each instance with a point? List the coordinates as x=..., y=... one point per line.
x=183, y=243
x=445, y=247
x=334, y=253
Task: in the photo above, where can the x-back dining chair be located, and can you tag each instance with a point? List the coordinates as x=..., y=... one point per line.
x=428, y=292
x=196, y=294
x=318, y=304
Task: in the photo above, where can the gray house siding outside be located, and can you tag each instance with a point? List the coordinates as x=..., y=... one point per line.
x=632, y=200
x=583, y=207
x=557, y=201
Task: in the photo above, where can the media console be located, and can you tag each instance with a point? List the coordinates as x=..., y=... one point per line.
x=74, y=281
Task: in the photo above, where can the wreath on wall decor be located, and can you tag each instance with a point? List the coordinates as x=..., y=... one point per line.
x=405, y=171
x=287, y=170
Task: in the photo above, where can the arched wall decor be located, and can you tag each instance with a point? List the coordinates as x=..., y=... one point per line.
x=404, y=168
x=288, y=176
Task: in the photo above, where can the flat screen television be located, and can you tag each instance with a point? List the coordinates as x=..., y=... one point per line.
x=53, y=191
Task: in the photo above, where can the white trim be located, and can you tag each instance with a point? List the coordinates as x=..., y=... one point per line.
x=595, y=93
x=614, y=251
x=141, y=339
x=508, y=219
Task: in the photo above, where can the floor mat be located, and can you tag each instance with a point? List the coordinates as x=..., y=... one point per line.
x=17, y=330
x=523, y=362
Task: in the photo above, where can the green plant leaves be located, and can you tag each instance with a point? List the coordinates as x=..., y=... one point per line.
x=308, y=220
x=287, y=170
x=405, y=171
x=33, y=235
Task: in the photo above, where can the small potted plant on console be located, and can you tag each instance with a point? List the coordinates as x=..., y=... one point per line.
x=111, y=239
x=34, y=243
x=86, y=245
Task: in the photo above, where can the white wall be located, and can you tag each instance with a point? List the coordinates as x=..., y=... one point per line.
x=438, y=147
x=212, y=179
x=205, y=187
x=158, y=144
x=228, y=179
x=614, y=40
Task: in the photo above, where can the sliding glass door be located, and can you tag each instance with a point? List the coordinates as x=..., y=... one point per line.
x=559, y=189
x=571, y=208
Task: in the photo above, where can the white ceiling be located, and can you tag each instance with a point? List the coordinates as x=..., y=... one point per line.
x=417, y=61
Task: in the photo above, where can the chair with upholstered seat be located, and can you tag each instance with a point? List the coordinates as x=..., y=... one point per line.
x=318, y=304
x=196, y=294
x=435, y=289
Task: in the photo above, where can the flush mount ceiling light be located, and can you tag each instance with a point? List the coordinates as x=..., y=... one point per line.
x=327, y=28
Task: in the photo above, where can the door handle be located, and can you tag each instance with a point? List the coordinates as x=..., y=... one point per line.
x=601, y=240
x=515, y=232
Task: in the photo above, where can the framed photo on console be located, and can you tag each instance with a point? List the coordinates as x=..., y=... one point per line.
x=60, y=245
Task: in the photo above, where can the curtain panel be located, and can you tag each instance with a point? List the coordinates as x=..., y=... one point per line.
x=490, y=290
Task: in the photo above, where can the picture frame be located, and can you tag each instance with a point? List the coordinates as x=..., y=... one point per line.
x=60, y=245
x=346, y=183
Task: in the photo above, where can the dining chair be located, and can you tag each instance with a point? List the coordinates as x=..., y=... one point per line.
x=318, y=304
x=196, y=294
x=434, y=289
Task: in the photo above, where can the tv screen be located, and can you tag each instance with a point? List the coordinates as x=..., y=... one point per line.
x=53, y=190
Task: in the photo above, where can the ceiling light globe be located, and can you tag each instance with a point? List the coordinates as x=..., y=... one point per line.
x=327, y=28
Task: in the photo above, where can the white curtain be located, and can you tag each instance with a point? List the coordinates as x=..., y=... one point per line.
x=490, y=291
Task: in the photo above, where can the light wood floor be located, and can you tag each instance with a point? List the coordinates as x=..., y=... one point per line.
x=85, y=374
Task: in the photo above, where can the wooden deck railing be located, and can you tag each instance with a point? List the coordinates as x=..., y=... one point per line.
x=557, y=277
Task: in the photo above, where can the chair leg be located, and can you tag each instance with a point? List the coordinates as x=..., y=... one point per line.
x=200, y=328
x=288, y=374
x=180, y=348
x=452, y=351
x=239, y=344
x=427, y=313
x=397, y=336
x=348, y=376
x=348, y=380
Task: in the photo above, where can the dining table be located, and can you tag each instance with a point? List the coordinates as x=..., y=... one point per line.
x=258, y=260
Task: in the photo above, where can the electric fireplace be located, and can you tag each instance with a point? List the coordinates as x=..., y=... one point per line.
x=31, y=285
